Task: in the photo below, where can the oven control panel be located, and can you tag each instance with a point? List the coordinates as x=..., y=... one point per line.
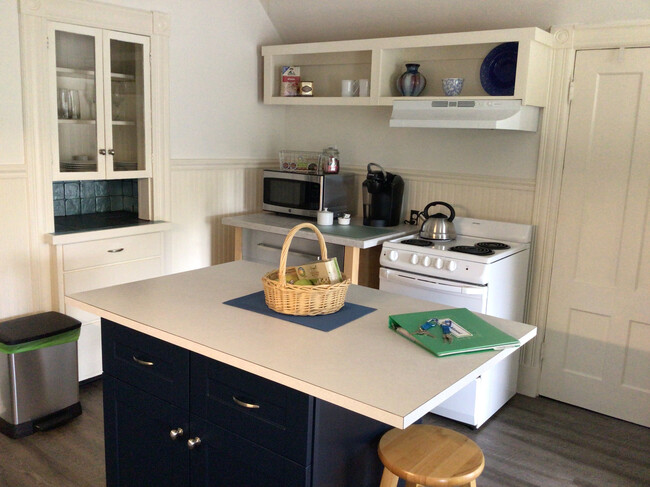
x=434, y=266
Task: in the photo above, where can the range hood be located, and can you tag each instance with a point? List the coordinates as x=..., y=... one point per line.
x=465, y=114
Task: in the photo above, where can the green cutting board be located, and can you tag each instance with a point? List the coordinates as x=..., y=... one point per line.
x=482, y=335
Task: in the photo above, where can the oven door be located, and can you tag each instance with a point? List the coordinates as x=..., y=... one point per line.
x=450, y=293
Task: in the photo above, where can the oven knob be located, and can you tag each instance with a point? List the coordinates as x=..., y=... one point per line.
x=415, y=258
x=426, y=262
x=393, y=255
x=451, y=265
x=437, y=263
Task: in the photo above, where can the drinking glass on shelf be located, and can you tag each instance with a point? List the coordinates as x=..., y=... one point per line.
x=118, y=95
x=75, y=105
x=63, y=103
x=89, y=94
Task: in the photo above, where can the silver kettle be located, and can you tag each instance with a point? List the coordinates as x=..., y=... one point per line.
x=438, y=226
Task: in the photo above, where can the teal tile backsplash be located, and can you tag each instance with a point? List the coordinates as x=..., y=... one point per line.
x=85, y=197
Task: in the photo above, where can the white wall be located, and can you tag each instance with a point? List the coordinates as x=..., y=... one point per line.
x=11, y=116
x=216, y=79
x=362, y=135
x=16, y=280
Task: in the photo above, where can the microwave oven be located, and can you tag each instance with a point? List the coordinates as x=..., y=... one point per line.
x=304, y=194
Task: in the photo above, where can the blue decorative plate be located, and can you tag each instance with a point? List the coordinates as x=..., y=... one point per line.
x=499, y=69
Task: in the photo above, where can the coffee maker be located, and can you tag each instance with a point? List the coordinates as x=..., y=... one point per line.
x=382, y=197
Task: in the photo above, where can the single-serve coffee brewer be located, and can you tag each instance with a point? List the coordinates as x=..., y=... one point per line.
x=382, y=197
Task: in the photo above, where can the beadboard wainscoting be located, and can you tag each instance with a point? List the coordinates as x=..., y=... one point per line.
x=19, y=290
x=202, y=193
x=205, y=191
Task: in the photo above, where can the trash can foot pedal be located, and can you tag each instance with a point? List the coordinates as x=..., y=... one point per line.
x=58, y=418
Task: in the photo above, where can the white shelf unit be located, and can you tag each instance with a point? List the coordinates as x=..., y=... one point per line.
x=382, y=61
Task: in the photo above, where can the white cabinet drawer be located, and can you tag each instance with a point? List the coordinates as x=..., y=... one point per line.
x=111, y=275
x=111, y=251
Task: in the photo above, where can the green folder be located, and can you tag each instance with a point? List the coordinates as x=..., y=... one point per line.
x=469, y=332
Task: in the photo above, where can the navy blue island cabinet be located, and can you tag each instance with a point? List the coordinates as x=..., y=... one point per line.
x=176, y=418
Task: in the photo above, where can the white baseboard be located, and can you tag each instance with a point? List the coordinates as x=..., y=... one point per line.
x=528, y=380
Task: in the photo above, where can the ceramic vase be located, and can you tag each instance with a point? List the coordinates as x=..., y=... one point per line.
x=411, y=82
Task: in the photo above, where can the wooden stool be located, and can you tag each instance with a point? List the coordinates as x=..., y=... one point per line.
x=429, y=455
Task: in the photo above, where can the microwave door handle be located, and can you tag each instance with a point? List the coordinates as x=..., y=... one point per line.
x=273, y=248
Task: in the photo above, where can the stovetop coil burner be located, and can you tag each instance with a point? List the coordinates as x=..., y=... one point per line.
x=418, y=242
x=472, y=249
x=493, y=245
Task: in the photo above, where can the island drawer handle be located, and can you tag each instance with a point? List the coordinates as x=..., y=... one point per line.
x=243, y=404
x=115, y=251
x=142, y=362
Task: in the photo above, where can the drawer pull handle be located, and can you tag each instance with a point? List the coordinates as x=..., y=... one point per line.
x=193, y=443
x=142, y=362
x=245, y=404
x=115, y=251
x=176, y=433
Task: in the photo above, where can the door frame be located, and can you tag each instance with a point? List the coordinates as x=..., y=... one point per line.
x=550, y=165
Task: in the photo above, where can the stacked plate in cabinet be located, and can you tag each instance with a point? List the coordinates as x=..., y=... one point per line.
x=126, y=166
x=78, y=166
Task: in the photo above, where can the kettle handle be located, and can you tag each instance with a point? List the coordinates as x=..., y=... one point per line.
x=449, y=207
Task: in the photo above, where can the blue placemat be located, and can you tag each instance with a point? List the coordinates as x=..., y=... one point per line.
x=349, y=312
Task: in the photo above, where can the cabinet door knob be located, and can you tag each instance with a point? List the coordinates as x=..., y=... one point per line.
x=102, y=152
x=175, y=433
x=142, y=362
x=111, y=152
x=243, y=404
x=193, y=443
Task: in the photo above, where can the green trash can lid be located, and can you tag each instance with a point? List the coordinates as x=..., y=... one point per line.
x=36, y=327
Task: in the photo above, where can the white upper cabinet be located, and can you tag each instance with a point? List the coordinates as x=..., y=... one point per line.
x=382, y=61
x=100, y=103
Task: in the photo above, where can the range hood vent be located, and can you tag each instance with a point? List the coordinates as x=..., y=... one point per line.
x=465, y=114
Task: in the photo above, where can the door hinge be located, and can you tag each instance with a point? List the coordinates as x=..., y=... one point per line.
x=541, y=352
x=572, y=84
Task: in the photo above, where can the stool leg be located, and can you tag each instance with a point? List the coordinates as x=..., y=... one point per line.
x=388, y=479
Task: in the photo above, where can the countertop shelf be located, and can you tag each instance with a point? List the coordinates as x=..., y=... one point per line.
x=355, y=235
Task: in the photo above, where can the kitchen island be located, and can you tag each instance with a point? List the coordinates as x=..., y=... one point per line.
x=355, y=237
x=362, y=369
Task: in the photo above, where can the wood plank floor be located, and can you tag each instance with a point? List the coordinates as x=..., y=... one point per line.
x=529, y=442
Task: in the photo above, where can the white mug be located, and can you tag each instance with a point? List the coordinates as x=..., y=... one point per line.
x=350, y=87
x=364, y=87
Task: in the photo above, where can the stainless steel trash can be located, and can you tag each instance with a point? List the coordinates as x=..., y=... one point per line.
x=39, y=385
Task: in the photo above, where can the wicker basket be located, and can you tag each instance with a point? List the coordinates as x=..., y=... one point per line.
x=302, y=300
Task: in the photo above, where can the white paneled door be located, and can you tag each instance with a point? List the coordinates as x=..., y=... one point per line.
x=597, y=344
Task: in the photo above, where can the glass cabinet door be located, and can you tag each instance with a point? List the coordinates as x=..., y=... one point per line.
x=101, y=98
x=126, y=67
x=79, y=132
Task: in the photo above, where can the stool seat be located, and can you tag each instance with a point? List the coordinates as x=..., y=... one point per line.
x=429, y=455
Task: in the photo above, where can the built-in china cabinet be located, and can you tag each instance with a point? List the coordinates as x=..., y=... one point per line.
x=95, y=93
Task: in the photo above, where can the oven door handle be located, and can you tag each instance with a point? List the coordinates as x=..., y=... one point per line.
x=408, y=279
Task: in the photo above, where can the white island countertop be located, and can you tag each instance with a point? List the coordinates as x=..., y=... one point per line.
x=362, y=366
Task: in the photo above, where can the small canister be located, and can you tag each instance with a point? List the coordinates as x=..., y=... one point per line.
x=325, y=217
x=329, y=160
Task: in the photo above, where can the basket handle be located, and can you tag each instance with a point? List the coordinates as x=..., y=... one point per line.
x=282, y=270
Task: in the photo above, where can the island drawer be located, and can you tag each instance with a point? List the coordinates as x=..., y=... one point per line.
x=111, y=250
x=150, y=364
x=269, y=414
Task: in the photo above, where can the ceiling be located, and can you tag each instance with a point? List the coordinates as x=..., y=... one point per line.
x=325, y=20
